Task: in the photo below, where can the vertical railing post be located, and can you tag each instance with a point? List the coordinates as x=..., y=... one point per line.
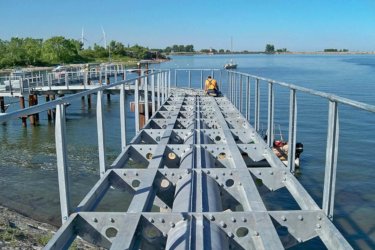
x=100, y=128
x=233, y=86
x=331, y=159
x=169, y=82
x=158, y=88
x=165, y=87
x=202, y=84
x=175, y=77
x=221, y=80
x=248, y=99
x=123, y=117
x=136, y=105
x=189, y=78
x=256, y=105
x=153, y=93
x=145, y=89
x=271, y=102
x=240, y=93
x=62, y=163
x=292, y=130
x=67, y=80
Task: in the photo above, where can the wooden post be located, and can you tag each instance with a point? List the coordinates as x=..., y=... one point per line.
x=36, y=103
x=49, y=112
x=22, y=106
x=108, y=95
x=89, y=96
x=2, y=105
x=32, y=117
x=52, y=97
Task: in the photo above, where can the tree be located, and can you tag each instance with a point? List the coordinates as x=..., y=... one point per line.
x=33, y=51
x=270, y=49
x=57, y=50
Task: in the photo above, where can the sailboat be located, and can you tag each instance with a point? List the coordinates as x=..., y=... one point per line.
x=231, y=64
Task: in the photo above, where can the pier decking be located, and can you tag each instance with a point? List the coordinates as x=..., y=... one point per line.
x=196, y=173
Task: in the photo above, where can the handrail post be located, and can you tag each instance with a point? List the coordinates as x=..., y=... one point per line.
x=271, y=105
x=145, y=91
x=202, y=84
x=248, y=98
x=331, y=160
x=169, y=82
x=256, y=105
x=221, y=80
x=240, y=93
x=136, y=107
x=158, y=88
x=100, y=128
x=123, y=117
x=175, y=77
x=189, y=78
x=62, y=163
x=292, y=130
x=153, y=93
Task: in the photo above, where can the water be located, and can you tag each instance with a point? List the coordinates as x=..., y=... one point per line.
x=28, y=179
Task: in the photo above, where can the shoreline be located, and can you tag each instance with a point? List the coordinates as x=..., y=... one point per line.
x=21, y=232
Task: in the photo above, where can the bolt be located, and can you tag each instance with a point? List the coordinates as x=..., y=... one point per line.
x=112, y=220
x=216, y=177
x=256, y=233
x=299, y=239
x=244, y=219
x=259, y=173
x=271, y=172
x=180, y=177
x=283, y=218
x=95, y=220
x=319, y=217
x=222, y=223
x=230, y=173
x=136, y=173
x=172, y=174
x=208, y=172
x=172, y=225
x=318, y=225
x=212, y=218
x=124, y=174
x=230, y=234
x=151, y=220
x=300, y=217
x=161, y=220
x=233, y=219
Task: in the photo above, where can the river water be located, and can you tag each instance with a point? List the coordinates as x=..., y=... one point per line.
x=28, y=176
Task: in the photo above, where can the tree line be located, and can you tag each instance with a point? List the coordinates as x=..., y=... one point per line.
x=60, y=50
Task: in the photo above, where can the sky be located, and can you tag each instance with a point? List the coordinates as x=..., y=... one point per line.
x=298, y=25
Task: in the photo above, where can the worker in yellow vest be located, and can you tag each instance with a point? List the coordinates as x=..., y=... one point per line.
x=211, y=87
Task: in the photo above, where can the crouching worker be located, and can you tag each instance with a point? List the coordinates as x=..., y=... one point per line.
x=211, y=87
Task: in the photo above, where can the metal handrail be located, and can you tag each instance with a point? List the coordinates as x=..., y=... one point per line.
x=235, y=81
x=66, y=99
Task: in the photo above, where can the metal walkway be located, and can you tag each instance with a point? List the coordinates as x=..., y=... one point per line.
x=195, y=182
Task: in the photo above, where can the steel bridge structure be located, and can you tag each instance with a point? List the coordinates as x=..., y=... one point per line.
x=197, y=171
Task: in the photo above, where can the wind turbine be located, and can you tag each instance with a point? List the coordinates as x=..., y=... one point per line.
x=105, y=44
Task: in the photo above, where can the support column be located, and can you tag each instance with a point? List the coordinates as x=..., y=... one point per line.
x=2, y=104
x=49, y=112
x=22, y=106
x=108, y=95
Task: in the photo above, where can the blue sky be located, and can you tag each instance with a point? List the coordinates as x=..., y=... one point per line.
x=298, y=25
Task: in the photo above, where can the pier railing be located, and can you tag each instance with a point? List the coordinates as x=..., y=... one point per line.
x=238, y=91
x=23, y=85
x=154, y=85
